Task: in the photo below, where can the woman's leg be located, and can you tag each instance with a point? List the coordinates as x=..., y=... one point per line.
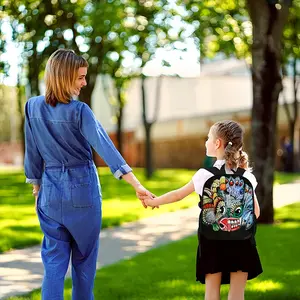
x=238, y=282
x=55, y=255
x=212, y=286
x=83, y=272
x=85, y=247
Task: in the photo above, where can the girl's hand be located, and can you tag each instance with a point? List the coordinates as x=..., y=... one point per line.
x=143, y=194
x=150, y=202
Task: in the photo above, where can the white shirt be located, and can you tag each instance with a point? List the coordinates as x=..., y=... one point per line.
x=202, y=175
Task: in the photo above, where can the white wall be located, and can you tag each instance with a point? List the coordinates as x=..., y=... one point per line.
x=183, y=102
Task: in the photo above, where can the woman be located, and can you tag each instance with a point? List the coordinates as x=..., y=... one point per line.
x=59, y=136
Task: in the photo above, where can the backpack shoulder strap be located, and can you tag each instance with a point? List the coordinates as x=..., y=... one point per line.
x=222, y=171
x=239, y=171
x=215, y=170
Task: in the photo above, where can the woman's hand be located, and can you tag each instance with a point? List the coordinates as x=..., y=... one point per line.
x=150, y=202
x=36, y=198
x=143, y=194
x=35, y=193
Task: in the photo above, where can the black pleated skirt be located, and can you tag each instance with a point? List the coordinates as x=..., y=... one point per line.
x=214, y=256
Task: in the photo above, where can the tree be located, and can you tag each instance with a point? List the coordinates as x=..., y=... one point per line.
x=114, y=66
x=291, y=56
x=268, y=21
x=152, y=24
x=116, y=97
x=88, y=27
x=225, y=26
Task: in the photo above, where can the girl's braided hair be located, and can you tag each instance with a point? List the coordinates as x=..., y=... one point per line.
x=231, y=133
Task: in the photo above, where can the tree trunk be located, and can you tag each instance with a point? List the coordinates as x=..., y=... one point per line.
x=120, y=120
x=295, y=108
x=86, y=93
x=268, y=23
x=148, y=151
x=33, y=74
x=147, y=127
x=20, y=95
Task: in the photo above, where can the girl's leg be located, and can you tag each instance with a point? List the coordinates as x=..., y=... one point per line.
x=238, y=282
x=212, y=286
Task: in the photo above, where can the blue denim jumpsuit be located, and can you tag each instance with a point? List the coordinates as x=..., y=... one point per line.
x=58, y=157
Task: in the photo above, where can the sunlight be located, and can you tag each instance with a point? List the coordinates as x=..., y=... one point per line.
x=290, y=225
x=265, y=286
x=293, y=273
x=172, y=283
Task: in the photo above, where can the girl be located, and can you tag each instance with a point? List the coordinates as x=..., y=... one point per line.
x=221, y=261
x=59, y=135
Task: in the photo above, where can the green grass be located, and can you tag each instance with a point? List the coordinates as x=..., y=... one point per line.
x=168, y=272
x=282, y=178
x=19, y=225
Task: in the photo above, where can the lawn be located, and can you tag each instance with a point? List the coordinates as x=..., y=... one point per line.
x=19, y=225
x=168, y=272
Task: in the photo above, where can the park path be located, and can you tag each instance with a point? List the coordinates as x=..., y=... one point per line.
x=21, y=270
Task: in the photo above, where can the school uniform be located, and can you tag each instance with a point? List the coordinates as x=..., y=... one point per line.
x=225, y=256
x=58, y=157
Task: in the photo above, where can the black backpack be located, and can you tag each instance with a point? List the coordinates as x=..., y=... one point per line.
x=227, y=206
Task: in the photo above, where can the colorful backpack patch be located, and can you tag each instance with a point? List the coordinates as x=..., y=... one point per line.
x=227, y=206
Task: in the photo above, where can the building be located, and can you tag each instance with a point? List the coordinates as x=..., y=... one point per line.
x=187, y=108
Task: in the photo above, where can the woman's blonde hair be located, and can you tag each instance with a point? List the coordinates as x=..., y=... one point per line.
x=60, y=75
x=231, y=133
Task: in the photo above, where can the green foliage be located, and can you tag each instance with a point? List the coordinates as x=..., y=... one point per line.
x=282, y=178
x=291, y=33
x=98, y=30
x=221, y=26
x=225, y=27
x=168, y=272
x=4, y=67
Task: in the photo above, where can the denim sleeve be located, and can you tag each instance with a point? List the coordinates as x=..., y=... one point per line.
x=97, y=137
x=33, y=162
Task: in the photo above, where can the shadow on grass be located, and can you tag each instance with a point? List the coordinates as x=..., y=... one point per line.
x=285, y=220
x=116, y=221
x=168, y=272
x=18, y=237
x=14, y=190
x=22, y=229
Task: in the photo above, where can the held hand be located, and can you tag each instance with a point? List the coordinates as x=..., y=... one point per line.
x=143, y=193
x=149, y=202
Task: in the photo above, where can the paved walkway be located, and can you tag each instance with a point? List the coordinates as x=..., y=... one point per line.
x=21, y=270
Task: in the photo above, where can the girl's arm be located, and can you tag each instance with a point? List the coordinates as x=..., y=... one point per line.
x=172, y=196
x=256, y=207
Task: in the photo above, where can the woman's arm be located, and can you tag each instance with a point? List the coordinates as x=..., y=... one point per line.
x=172, y=196
x=98, y=138
x=35, y=193
x=141, y=192
x=33, y=162
x=132, y=180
